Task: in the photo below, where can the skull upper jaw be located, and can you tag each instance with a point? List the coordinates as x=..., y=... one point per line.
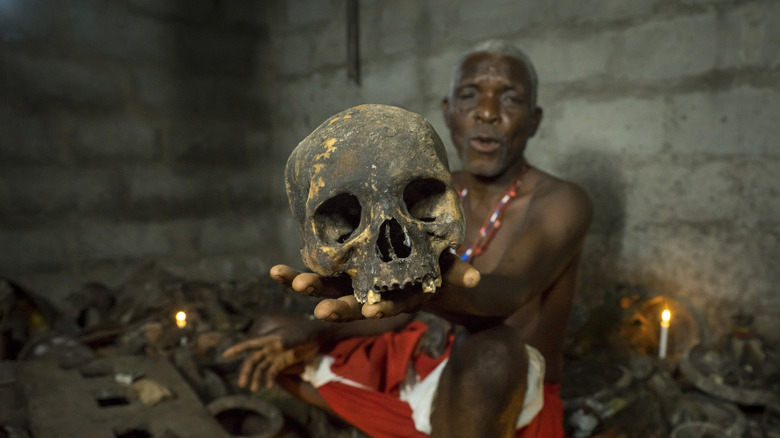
x=396, y=256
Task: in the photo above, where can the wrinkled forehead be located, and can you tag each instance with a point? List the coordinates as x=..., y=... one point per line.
x=484, y=65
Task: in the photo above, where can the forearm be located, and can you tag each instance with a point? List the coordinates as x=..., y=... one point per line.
x=489, y=303
x=338, y=331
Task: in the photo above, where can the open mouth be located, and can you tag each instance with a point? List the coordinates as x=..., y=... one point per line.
x=484, y=144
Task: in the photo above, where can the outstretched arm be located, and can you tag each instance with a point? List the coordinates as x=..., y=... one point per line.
x=340, y=304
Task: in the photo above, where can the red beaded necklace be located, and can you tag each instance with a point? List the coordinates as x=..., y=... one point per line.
x=493, y=222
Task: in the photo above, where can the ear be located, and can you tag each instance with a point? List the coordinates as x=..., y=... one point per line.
x=534, y=121
x=445, y=110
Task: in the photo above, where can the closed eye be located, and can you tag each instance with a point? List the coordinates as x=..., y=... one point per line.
x=467, y=92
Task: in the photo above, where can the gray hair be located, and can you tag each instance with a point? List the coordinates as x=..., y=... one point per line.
x=502, y=48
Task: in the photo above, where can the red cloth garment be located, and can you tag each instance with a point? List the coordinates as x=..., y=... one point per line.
x=380, y=364
x=383, y=416
x=377, y=414
x=548, y=423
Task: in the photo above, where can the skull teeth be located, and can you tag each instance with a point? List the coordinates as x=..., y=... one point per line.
x=373, y=297
x=395, y=285
x=429, y=285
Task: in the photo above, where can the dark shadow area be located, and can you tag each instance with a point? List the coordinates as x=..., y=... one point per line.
x=601, y=176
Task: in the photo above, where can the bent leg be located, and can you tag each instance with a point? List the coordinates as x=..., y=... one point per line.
x=482, y=388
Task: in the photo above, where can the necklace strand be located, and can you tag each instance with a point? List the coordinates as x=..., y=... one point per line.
x=493, y=223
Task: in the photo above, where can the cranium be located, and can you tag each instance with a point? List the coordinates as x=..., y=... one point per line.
x=372, y=192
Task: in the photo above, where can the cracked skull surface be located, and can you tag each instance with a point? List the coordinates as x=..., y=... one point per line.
x=372, y=192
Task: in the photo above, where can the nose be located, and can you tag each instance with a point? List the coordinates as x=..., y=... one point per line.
x=487, y=109
x=393, y=242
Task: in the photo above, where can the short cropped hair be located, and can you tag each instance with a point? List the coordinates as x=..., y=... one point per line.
x=502, y=48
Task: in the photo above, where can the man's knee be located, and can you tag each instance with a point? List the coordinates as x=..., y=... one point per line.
x=493, y=364
x=484, y=383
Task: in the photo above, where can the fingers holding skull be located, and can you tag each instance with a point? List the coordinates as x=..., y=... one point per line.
x=456, y=272
x=398, y=302
x=311, y=284
x=340, y=304
x=342, y=309
x=345, y=306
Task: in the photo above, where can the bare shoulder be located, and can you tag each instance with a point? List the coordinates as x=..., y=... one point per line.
x=561, y=204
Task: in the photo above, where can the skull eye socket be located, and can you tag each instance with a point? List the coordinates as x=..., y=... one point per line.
x=337, y=218
x=424, y=198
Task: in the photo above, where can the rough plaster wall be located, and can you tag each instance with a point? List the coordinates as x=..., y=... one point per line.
x=163, y=134
x=134, y=132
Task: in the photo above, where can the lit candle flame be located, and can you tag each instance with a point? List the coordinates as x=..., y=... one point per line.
x=666, y=316
x=181, y=319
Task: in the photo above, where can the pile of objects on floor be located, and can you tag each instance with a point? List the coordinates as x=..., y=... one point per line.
x=144, y=359
x=622, y=379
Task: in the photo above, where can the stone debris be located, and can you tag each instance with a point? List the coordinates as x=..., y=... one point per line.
x=149, y=392
x=108, y=363
x=104, y=356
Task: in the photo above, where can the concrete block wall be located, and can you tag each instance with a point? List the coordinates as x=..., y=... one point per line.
x=136, y=132
x=163, y=133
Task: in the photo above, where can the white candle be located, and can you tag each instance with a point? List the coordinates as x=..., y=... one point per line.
x=181, y=322
x=666, y=316
x=181, y=319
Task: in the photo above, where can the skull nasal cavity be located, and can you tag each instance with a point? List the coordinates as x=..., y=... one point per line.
x=392, y=243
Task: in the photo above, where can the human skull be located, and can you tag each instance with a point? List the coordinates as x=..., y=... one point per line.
x=372, y=193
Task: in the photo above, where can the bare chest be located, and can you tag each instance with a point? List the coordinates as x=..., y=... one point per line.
x=505, y=231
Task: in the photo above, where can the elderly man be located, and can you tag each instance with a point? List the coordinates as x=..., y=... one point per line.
x=525, y=229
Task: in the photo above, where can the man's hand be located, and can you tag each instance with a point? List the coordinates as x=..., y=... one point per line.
x=340, y=304
x=267, y=356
